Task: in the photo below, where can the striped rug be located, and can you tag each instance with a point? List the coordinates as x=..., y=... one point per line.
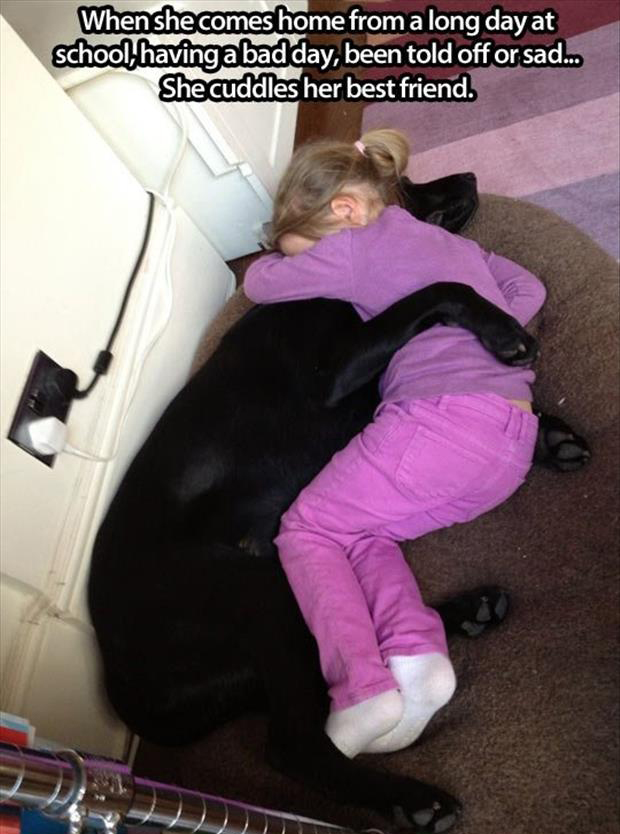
x=547, y=135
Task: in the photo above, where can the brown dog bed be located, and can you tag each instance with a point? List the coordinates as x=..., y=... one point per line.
x=529, y=741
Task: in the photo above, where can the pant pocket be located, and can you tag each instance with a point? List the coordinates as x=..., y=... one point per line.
x=436, y=467
x=498, y=488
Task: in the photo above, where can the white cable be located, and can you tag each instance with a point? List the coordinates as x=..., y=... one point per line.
x=172, y=105
x=71, y=450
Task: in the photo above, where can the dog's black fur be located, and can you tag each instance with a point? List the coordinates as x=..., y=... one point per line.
x=193, y=615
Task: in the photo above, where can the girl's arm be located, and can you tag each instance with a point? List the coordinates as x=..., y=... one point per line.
x=322, y=271
x=524, y=293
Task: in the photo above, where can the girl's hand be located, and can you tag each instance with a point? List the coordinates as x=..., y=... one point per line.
x=293, y=244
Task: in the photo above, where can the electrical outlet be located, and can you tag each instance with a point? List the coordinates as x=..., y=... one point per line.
x=48, y=392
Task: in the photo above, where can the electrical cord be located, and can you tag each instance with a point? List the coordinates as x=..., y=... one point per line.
x=105, y=356
x=135, y=376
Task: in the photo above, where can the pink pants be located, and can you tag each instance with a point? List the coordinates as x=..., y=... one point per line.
x=420, y=466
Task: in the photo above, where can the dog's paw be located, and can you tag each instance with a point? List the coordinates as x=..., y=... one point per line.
x=559, y=447
x=474, y=612
x=511, y=344
x=567, y=451
x=438, y=814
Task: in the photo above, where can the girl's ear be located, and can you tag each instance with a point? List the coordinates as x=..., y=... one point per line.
x=348, y=209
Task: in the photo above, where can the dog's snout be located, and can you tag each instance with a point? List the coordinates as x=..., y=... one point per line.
x=469, y=175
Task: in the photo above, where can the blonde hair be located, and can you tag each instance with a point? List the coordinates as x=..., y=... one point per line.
x=321, y=170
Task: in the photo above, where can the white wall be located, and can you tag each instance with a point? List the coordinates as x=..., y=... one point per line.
x=72, y=224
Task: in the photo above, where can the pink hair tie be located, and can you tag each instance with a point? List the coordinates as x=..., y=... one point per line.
x=360, y=146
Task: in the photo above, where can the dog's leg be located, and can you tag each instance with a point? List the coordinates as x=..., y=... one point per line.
x=474, y=612
x=558, y=446
x=297, y=743
x=365, y=351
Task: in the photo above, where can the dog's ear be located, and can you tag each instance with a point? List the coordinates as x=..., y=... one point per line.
x=449, y=202
x=425, y=201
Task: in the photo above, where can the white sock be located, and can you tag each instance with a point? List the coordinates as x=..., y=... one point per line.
x=426, y=682
x=353, y=728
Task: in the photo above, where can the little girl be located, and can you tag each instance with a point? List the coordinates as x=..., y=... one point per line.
x=453, y=437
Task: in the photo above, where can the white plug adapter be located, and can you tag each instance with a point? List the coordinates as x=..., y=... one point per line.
x=48, y=436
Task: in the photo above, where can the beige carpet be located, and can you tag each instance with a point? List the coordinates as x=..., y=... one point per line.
x=530, y=741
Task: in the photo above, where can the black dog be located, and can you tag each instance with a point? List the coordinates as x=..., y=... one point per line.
x=194, y=617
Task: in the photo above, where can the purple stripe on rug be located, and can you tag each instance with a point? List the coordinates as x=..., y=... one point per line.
x=538, y=154
x=575, y=17
x=591, y=205
x=506, y=96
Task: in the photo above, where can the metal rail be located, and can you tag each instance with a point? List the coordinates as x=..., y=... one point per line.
x=80, y=790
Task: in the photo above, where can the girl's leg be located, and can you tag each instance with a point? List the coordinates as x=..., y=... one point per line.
x=365, y=700
x=325, y=536
x=409, y=638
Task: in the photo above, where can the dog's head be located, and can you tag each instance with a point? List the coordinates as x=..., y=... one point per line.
x=450, y=202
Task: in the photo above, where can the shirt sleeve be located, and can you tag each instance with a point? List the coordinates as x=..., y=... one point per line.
x=323, y=271
x=524, y=293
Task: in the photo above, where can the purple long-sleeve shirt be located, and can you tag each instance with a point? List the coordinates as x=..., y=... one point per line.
x=376, y=265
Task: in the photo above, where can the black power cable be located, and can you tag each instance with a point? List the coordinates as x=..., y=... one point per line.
x=104, y=357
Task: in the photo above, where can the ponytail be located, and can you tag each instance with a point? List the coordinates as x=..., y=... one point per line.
x=389, y=151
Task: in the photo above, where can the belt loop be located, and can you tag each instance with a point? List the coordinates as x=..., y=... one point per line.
x=514, y=427
x=519, y=415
